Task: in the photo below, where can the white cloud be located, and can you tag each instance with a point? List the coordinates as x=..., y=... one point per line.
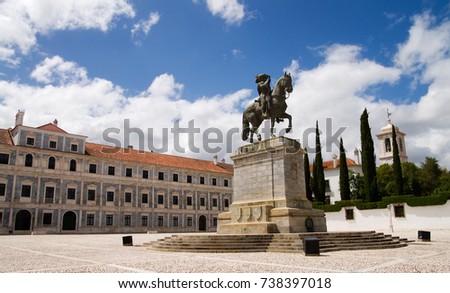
x=229, y=10
x=144, y=26
x=22, y=20
x=88, y=106
x=55, y=69
x=426, y=44
x=337, y=88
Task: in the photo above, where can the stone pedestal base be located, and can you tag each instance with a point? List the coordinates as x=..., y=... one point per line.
x=264, y=218
x=269, y=193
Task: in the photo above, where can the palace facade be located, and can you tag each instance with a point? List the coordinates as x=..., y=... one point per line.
x=52, y=181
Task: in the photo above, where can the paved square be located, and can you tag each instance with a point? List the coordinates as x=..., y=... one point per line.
x=104, y=253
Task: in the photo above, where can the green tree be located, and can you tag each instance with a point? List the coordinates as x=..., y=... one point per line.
x=368, y=160
x=318, y=185
x=444, y=182
x=356, y=185
x=344, y=184
x=411, y=184
x=307, y=176
x=397, y=167
x=385, y=180
x=429, y=175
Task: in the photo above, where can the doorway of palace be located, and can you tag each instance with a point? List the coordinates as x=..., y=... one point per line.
x=202, y=223
x=69, y=221
x=23, y=221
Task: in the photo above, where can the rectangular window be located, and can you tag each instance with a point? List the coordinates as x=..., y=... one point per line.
x=49, y=194
x=175, y=177
x=71, y=192
x=214, y=221
x=160, y=175
x=225, y=182
x=160, y=199
x=26, y=191
x=111, y=170
x=175, y=200
x=214, y=202
x=399, y=211
x=92, y=168
x=189, y=200
x=175, y=221
x=127, y=220
x=74, y=147
x=2, y=189
x=47, y=219
x=91, y=194
x=90, y=219
x=202, y=201
x=30, y=141
x=52, y=144
x=144, y=221
x=160, y=221
x=145, y=174
x=127, y=196
x=189, y=221
x=202, y=180
x=189, y=179
x=128, y=172
x=110, y=196
x=1, y=218
x=214, y=181
x=226, y=202
x=109, y=220
x=349, y=214
x=4, y=159
x=144, y=198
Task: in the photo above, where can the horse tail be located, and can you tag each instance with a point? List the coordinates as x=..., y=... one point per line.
x=245, y=126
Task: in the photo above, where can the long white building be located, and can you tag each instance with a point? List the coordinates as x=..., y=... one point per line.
x=52, y=181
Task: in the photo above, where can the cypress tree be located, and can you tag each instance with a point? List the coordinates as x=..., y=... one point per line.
x=344, y=182
x=307, y=176
x=398, y=176
x=318, y=175
x=368, y=160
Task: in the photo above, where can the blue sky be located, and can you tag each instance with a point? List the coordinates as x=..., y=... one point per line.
x=94, y=63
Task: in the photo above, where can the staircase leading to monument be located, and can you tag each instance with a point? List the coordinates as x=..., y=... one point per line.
x=292, y=242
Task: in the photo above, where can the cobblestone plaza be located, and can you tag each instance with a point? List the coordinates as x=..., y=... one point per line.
x=104, y=253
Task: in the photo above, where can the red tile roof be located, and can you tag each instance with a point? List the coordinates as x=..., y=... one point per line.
x=327, y=165
x=137, y=156
x=51, y=127
x=5, y=137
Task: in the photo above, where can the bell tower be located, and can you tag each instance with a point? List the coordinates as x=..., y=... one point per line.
x=385, y=144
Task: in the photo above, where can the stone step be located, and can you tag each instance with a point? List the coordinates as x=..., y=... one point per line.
x=293, y=242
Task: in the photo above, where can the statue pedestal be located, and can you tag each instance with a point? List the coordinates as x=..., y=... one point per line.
x=269, y=194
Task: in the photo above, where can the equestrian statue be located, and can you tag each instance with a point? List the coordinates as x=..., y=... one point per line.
x=271, y=104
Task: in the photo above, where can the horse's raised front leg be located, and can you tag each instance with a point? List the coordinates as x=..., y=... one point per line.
x=272, y=124
x=286, y=115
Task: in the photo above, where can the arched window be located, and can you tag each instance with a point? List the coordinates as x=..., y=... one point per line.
x=73, y=165
x=387, y=144
x=28, y=160
x=400, y=144
x=51, y=163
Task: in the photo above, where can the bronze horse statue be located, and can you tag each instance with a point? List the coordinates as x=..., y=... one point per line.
x=253, y=114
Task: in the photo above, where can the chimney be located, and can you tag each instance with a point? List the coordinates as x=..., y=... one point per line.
x=215, y=159
x=334, y=160
x=19, y=118
x=356, y=152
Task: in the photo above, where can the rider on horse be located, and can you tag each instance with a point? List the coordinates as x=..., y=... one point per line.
x=264, y=92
